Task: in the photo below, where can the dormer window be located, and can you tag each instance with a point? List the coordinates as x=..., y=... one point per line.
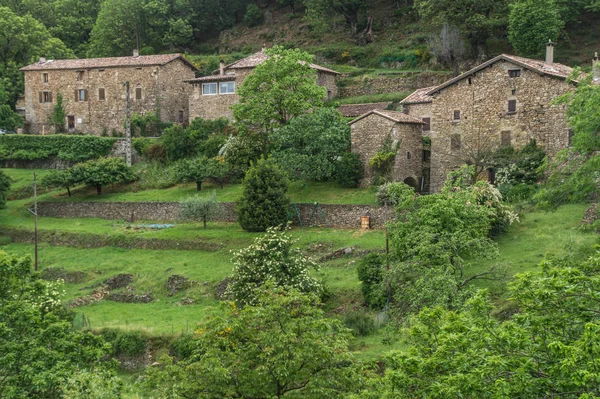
x=514, y=73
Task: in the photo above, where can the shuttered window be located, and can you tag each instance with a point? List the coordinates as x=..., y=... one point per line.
x=457, y=115
x=101, y=94
x=138, y=93
x=81, y=95
x=427, y=125
x=45, y=96
x=512, y=106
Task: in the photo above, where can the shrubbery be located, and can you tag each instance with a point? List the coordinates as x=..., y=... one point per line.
x=200, y=208
x=63, y=147
x=371, y=273
x=102, y=172
x=349, y=170
x=4, y=187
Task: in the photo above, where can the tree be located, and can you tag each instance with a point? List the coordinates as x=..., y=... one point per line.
x=548, y=348
x=102, y=172
x=178, y=143
x=282, y=345
x=350, y=9
x=449, y=47
x=349, y=170
x=271, y=260
x=194, y=170
x=4, y=187
x=59, y=115
x=219, y=171
x=263, y=203
x=279, y=89
x=531, y=24
x=310, y=145
x=39, y=349
x=200, y=208
x=60, y=179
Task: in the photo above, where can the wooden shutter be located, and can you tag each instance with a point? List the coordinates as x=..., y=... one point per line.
x=41, y=97
x=512, y=106
x=138, y=93
x=49, y=96
x=85, y=95
x=76, y=95
x=427, y=125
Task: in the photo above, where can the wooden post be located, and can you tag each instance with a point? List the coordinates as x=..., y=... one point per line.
x=127, y=125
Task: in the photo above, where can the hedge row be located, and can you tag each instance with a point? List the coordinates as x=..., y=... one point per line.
x=63, y=147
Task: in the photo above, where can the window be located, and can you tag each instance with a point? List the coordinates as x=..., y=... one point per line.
x=470, y=81
x=138, y=93
x=427, y=125
x=405, y=109
x=455, y=142
x=180, y=117
x=426, y=155
x=571, y=134
x=512, y=106
x=209, y=89
x=408, y=156
x=513, y=91
x=71, y=122
x=80, y=95
x=101, y=94
x=329, y=94
x=45, y=77
x=45, y=96
x=505, y=138
x=227, y=88
x=514, y=73
x=456, y=115
x=80, y=75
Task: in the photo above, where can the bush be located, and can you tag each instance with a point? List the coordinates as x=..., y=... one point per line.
x=147, y=125
x=178, y=143
x=200, y=208
x=4, y=187
x=394, y=193
x=60, y=179
x=155, y=175
x=254, y=16
x=141, y=144
x=371, y=273
x=192, y=171
x=349, y=170
x=244, y=149
x=130, y=343
x=361, y=323
x=156, y=153
x=102, y=172
x=183, y=347
x=263, y=203
x=520, y=192
x=64, y=147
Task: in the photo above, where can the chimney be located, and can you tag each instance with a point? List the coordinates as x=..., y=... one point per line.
x=264, y=47
x=136, y=53
x=549, y=53
x=43, y=60
x=596, y=68
x=221, y=67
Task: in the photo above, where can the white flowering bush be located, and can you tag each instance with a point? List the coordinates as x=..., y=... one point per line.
x=274, y=259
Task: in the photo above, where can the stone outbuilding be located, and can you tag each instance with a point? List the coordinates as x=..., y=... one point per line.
x=93, y=91
x=370, y=131
x=213, y=95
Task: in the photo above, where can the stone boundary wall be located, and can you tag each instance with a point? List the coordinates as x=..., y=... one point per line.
x=338, y=216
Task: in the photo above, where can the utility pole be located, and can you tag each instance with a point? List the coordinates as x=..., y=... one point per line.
x=127, y=125
x=34, y=211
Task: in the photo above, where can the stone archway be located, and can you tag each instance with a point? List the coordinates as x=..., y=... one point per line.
x=412, y=182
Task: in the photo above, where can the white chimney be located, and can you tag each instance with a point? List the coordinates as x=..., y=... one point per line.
x=549, y=53
x=596, y=68
x=136, y=53
x=221, y=67
x=42, y=60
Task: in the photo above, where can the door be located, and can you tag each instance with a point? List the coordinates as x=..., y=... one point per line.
x=71, y=122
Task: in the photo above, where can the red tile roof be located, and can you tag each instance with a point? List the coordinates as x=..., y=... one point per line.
x=420, y=96
x=350, y=110
x=86, y=63
x=395, y=116
x=258, y=58
x=213, y=78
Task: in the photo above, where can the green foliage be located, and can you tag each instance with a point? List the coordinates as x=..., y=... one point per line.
x=263, y=203
x=39, y=349
x=59, y=115
x=92, y=385
x=583, y=117
x=383, y=160
x=156, y=153
x=219, y=171
x=395, y=194
x=59, y=179
x=63, y=147
x=547, y=349
x=243, y=150
x=194, y=170
x=140, y=144
x=361, y=323
x=147, y=125
x=155, y=175
x=279, y=89
x=178, y=143
x=130, y=343
x=4, y=187
x=272, y=260
x=531, y=24
x=371, y=273
x=254, y=16
x=200, y=208
x=310, y=145
x=516, y=167
x=282, y=345
x=349, y=170
x=102, y=172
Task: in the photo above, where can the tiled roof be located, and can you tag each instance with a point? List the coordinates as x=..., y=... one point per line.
x=350, y=110
x=86, y=63
x=213, y=78
x=555, y=70
x=420, y=96
x=395, y=116
x=258, y=58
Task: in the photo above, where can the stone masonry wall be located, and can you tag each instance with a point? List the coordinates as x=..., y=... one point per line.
x=408, y=82
x=368, y=136
x=339, y=216
x=329, y=81
x=485, y=119
x=421, y=111
x=160, y=90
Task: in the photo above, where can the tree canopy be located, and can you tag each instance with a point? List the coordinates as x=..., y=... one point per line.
x=531, y=24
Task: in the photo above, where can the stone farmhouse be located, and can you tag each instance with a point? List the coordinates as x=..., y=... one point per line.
x=94, y=94
x=506, y=101
x=213, y=95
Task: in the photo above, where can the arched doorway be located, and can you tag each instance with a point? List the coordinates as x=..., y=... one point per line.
x=412, y=182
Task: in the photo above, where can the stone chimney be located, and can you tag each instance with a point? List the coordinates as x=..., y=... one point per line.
x=136, y=53
x=221, y=67
x=43, y=60
x=596, y=68
x=549, y=53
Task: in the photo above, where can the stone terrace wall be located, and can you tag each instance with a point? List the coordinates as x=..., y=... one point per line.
x=386, y=84
x=339, y=216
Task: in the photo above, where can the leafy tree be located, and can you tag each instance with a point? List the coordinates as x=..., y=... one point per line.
x=39, y=349
x=243, y=150
x=279, y=89
x=178, y=143
x=96, y=385
x=371, y=274
x=219, y=171
x=282, y=345
x=102, y=172
x=254, y=16
x=4, y=187
x=263, y=203
x=351, y=10
x=73, y=21
x=194, y=170
x=349, y=170
x=179, y=33
x=547, y=349
x=310, y=145
x=531, y=24
x=200, y=208
x=59, y=115
x=271, y=259
x=59, y=179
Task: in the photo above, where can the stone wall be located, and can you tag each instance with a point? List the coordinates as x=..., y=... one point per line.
x=329, y=82
x=338, y=216
x=368, y=136
x=407, y=82
x=162, y=89
x=485, y=121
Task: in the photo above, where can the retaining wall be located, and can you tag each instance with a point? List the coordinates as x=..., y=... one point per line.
x=326, y=215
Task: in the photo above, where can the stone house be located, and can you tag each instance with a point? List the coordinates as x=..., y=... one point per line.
x=94, y=94
x=504, y=101
x=370, y=131
x=213, y=95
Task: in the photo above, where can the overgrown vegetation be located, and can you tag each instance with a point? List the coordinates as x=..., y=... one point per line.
x=63, y=147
